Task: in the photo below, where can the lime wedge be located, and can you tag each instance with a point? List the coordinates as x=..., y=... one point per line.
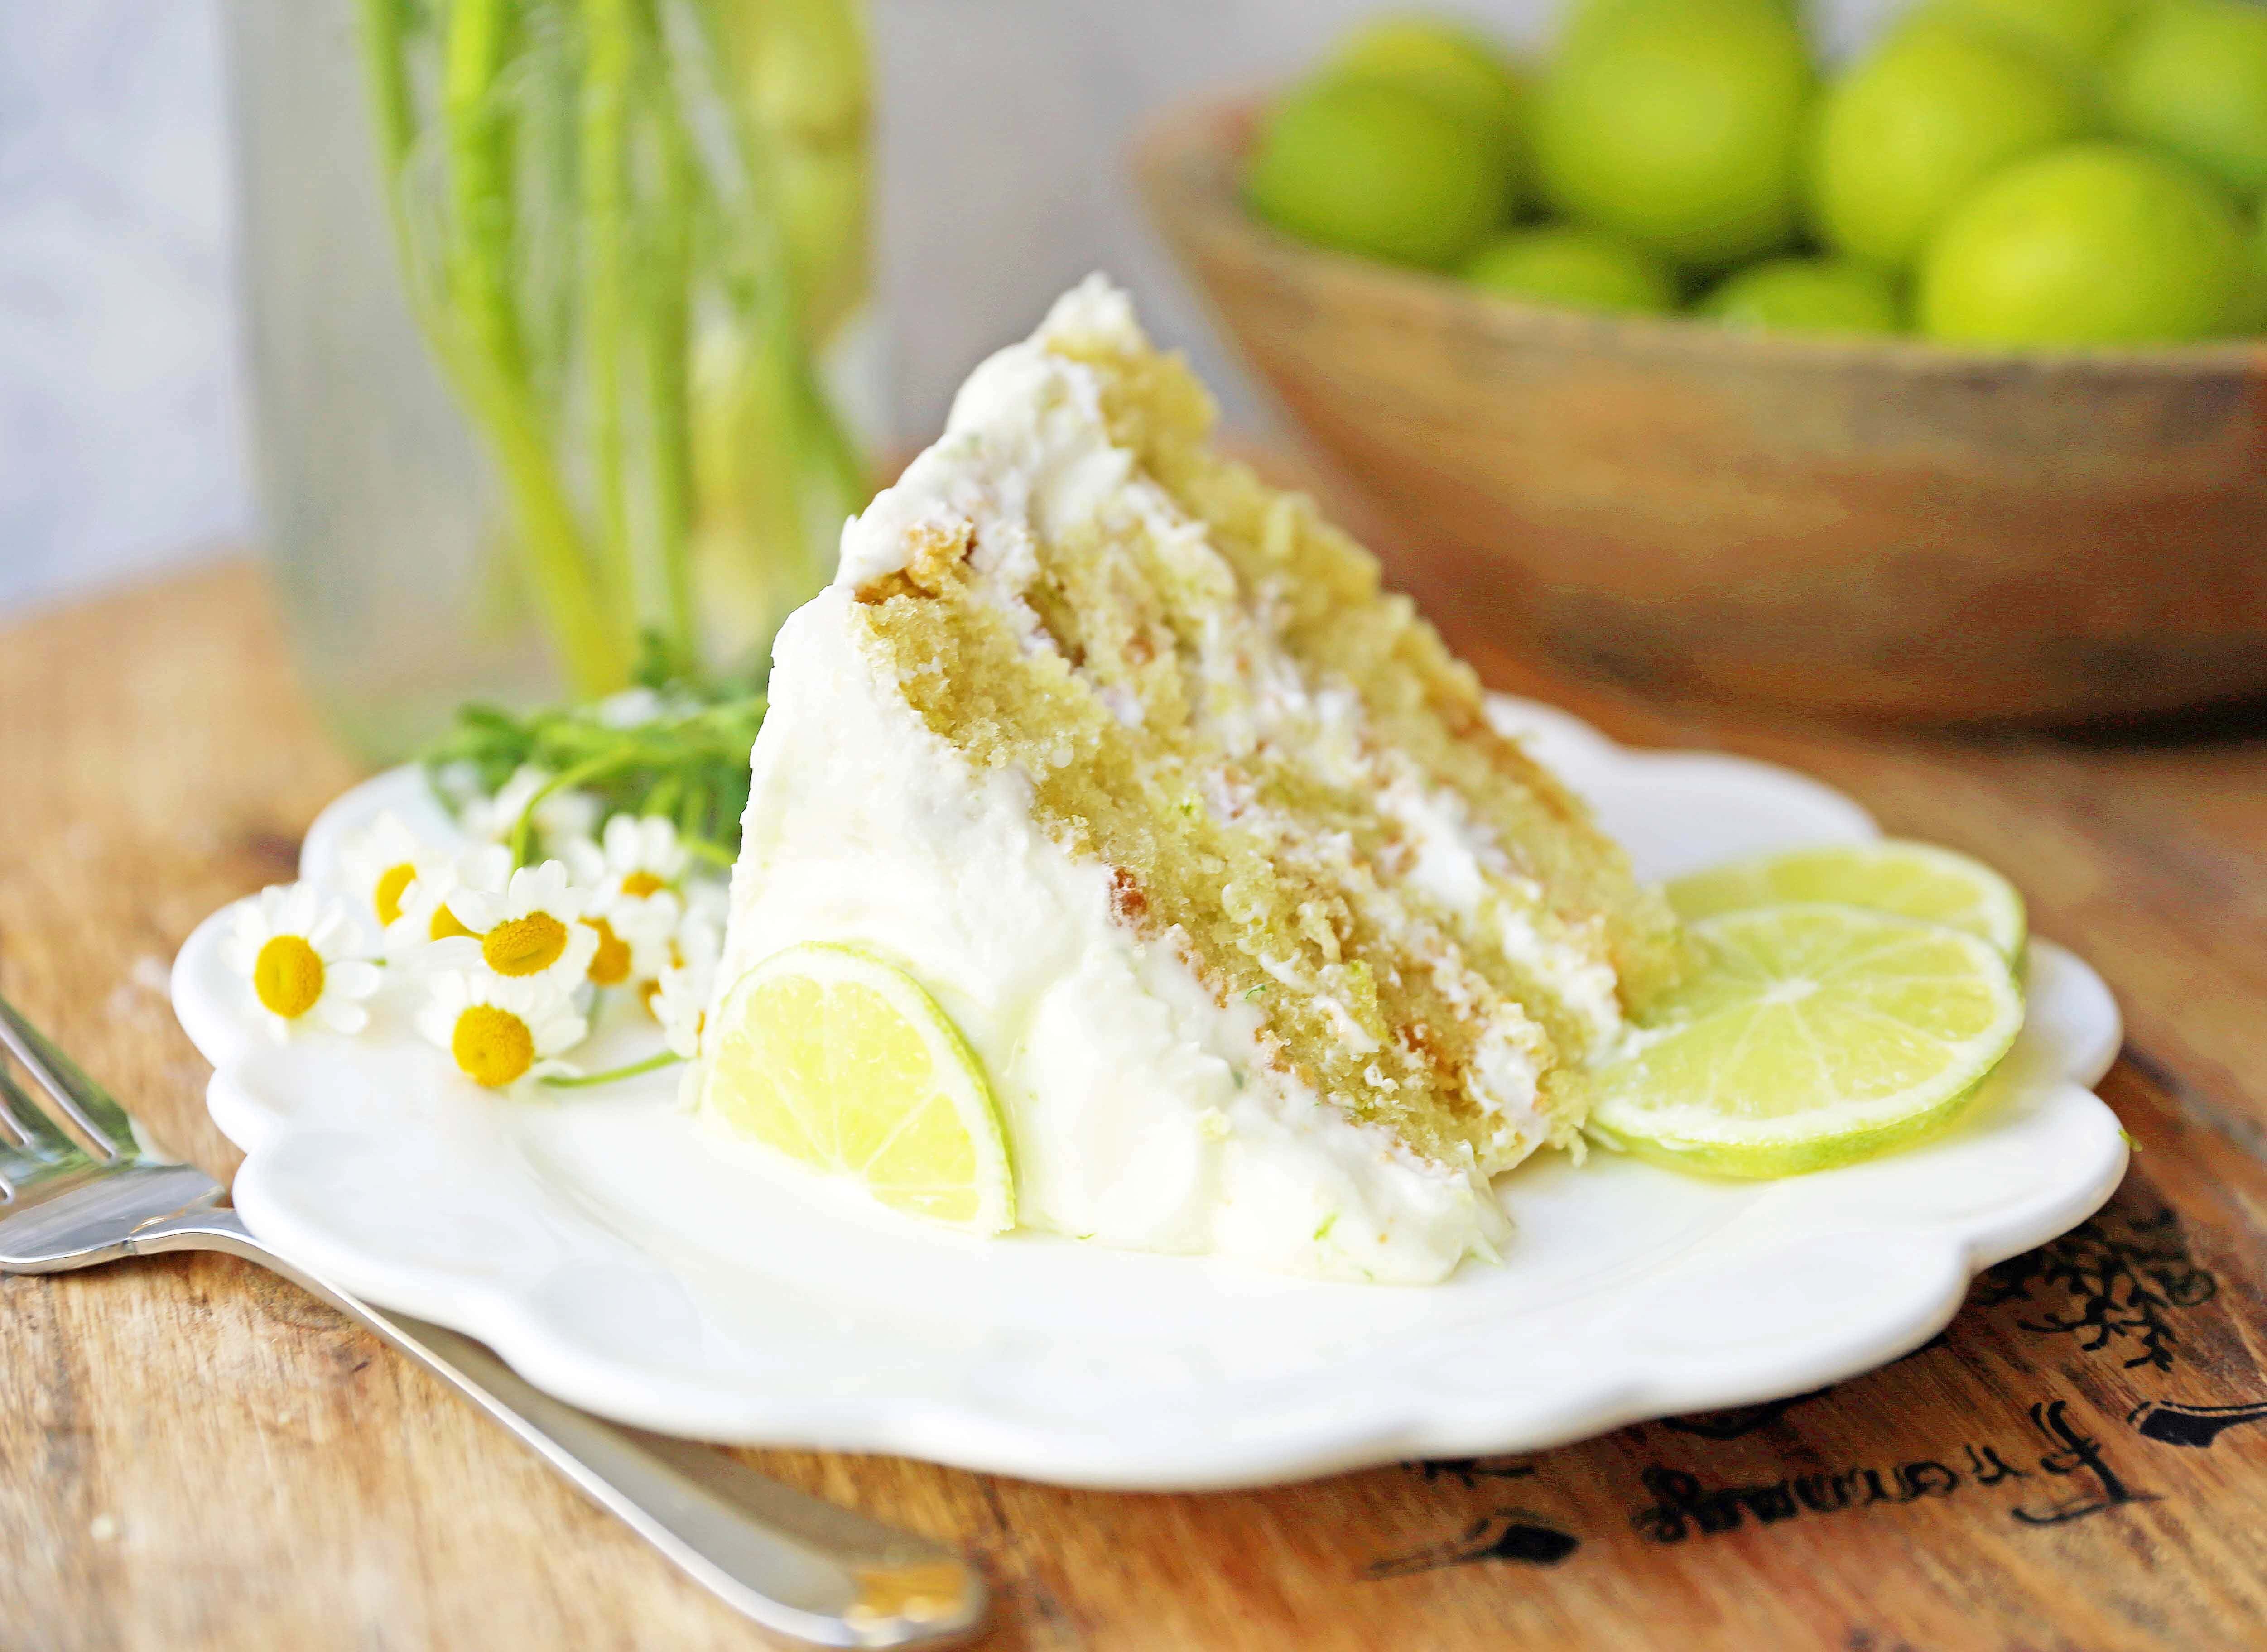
x=1917, y=881
x=843, y=1063
x=1806, y=1036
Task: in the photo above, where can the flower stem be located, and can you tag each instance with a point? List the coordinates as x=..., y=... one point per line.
x=654, y=1063
x=523, y=829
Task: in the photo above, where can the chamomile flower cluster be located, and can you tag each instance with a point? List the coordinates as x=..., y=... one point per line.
x=502, y=966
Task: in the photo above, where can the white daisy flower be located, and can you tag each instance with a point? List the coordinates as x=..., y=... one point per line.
x=529, y=926
x=560, y=818
x=639, y=858
x=425, y=916
x=498, y=1032
x=680, y=1004
x=690, y=975
x=633, y=941
x=381, y=862
x=290, y=943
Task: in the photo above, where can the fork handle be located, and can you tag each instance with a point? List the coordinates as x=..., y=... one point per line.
x=804, y=1569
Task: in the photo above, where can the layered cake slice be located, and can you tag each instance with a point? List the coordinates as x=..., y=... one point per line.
x=1268, y=944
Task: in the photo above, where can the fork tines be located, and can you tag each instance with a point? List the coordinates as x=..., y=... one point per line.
x=65, y=1090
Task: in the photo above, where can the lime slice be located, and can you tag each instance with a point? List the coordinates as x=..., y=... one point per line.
x=843, y=1063
x=1909, y=880
x=1806, y=1036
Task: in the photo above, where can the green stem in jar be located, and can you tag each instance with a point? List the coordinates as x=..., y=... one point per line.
x=795, y=483
x=668, y=330
x=476, y=48
x=492, y=364
x=595, y=240
x=610, y=54
x=394, y=111
x=386, y=42
x=803, y=66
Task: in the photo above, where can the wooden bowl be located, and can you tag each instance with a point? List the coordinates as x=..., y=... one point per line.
x=1876, y=527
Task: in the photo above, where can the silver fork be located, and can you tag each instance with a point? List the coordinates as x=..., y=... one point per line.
x=805, y=1571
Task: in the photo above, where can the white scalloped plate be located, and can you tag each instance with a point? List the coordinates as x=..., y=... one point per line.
x=620, y=1257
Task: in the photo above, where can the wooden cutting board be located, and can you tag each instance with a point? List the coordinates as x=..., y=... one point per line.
x=194, y=1455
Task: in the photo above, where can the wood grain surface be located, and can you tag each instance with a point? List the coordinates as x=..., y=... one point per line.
x=194, y=1455
x=1786, y=520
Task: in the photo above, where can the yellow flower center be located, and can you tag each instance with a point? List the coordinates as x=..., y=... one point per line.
x=445, y=924
x=387, y=897
x=609, y=965
x=287, y=976
x=492, y=1046
x=524, y=945
x=638, y=885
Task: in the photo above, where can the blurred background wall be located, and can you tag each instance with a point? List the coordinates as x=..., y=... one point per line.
x=1003, y=129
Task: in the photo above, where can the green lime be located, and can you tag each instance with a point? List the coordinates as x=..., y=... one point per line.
x=1582, y=269
x=1678, y=123
x=2080, y=34
x=2090, y=243
x=1905, y=879
x=1581, y=14
x=1805, y=1036
x=2250, y=318
x=1377, y=169
x=845, y=1065
x=2192, y=79
x=1455, y=67
x=1807, y=295
x=1912, y=129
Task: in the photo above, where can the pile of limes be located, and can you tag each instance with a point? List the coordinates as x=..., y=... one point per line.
x=2002, y=172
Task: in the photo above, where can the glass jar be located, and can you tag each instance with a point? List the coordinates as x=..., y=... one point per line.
x=559, y=337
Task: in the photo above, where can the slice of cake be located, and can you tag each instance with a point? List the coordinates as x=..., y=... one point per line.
x=1268, y=944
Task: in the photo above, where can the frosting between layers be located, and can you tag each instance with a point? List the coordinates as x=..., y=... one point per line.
x=1137, y=1112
